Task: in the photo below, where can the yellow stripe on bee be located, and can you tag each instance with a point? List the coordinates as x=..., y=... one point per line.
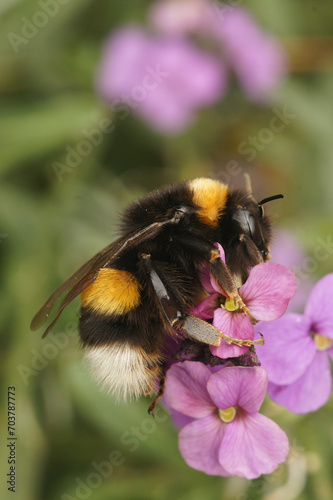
x=211, y=198
x=113, y=292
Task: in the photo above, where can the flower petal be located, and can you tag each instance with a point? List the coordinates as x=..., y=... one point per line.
x=236, y=325
x=240, y=386
x=164, y=79
x=288, y=349
x=257, y=58
x=205, y=309
x=186, y=389
x=253, y=445
x=200, y=442
x=310, y=391
x=178, y=419
x=267, y=290
x=319, y=307
x=330, y=352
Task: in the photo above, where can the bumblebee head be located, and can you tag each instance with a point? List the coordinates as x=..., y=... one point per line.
x=245, y=232
x=250, y=222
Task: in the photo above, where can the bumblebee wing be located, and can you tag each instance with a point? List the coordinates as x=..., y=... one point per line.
x=76, y=281
x=84, y=276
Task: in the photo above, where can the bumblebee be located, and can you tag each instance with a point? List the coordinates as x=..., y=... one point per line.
x=139, y=290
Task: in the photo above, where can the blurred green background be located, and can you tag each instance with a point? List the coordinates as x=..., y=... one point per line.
x=66, y=426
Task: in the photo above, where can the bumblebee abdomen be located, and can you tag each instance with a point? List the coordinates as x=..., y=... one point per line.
x=123, y=369
x=124, y=352
x=122, y=332
x=114, y=292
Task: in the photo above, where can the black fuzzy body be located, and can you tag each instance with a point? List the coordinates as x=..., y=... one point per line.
x=175, y=257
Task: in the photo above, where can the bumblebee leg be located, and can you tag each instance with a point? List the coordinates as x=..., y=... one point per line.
x=160, y=391
x=218, y=269
x=254, y=255
x=224, y=279
x=177, y=317
x=174, y=311
x=205, y=332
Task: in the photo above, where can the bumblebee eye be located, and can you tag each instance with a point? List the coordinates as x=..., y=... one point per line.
x=246, y=221
x=252, y=226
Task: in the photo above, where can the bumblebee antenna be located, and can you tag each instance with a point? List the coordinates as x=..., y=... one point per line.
x=266, y=200
x=270, y=198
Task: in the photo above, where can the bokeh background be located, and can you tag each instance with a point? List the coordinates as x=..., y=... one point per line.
x=50, y=223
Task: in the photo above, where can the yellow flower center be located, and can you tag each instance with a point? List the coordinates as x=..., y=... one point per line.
x=228, y=414
x=322, y=343
x=230, y=305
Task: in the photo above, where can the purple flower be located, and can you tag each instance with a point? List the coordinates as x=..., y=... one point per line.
x=168, y=77
x=297, y=351
x=286, y=249
x=266, y=293
x=165, y=80
x=256, y=57
x=223, y=433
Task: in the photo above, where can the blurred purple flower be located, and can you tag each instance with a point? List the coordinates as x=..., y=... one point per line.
x=266, y=293
x=168, y=78
x=297, y=351
x=222, y=432
x=165, y=80
x=286, y=250
x=256, y=57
